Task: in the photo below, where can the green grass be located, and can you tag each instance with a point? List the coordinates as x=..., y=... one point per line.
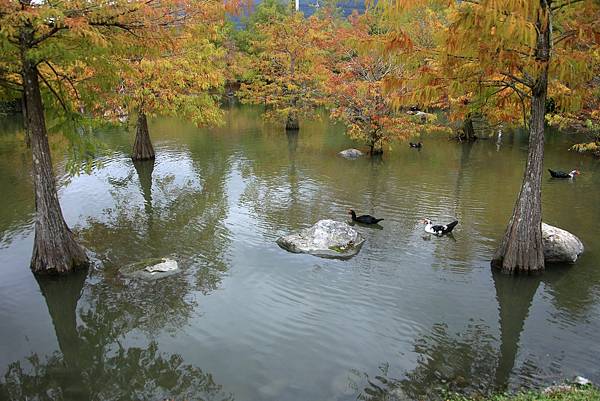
x=586, y=393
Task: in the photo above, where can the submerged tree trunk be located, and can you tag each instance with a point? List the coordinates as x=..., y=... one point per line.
x=521, y=249
x=375, y=144
x=54, y=249
x=142, y=147
x=291, y=123
x=468, y=131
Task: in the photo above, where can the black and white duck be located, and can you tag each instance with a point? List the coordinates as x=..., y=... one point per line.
x=438, y=229
x=364, y=219
x=417, y=145
x=562, y=174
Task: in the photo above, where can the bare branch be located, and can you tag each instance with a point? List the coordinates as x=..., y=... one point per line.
x=65, y=77
x=522, y=81
x=566, y=3
x=61, y=101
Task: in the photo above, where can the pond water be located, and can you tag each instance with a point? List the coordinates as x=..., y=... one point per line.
x=245, y=320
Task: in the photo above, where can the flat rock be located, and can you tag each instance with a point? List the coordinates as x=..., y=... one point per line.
x=351, y=153
x=582, y=381
x=560, y=246
x=327, y=239
x=151, y=269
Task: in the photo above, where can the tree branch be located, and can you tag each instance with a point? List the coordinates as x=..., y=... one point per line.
x=566, y=3
x=48, y=35
x=525, y=81
x=62, y=103
x=65, y=77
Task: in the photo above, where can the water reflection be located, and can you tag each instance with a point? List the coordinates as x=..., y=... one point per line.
x=514, y=296
x=99, y=365
x=144, y=169
x=271, y=325
x=462, y=362
x=470, y=362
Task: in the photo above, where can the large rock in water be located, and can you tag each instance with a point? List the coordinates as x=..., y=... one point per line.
x=560, y=245
x=327, y=239
x=351, y=153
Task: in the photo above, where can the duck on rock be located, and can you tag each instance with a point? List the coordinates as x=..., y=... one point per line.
x=562, y=174
x=438, y=229
x=364, y=219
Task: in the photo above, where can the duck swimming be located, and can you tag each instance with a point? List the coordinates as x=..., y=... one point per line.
x=438, y=229
x=417, y=145
x=562, y=174
x=364, y=219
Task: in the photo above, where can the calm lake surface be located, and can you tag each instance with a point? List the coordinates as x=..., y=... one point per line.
x=245, y=320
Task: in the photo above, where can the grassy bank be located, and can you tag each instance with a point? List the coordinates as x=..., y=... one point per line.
x=586, y=393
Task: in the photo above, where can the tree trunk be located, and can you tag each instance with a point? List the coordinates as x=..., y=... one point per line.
x=292, y=124
x=24, y=112
x=375, y=144
x=142, y=147
x=521, y=249
x=55, y=249
x=468, y=132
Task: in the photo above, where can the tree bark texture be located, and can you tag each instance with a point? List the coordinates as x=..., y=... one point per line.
x=468, y=131
x=375, y=143
x=521, y=249
x=142, y=147
x=55, y=249
x=292, y=124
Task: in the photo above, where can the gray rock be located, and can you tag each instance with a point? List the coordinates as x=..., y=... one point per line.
x=582, y=381
x=151, y=269
x=560, y=245
x=351, y=153
x=327, y=239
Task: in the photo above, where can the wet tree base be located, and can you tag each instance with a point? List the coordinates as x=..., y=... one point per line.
x=58, y=258
x=292, y=123
x=142, y=147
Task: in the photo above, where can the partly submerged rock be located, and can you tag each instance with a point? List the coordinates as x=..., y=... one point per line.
x=351, y=153
x=582, y=381
x=327, y=239
x=560, y=245
x=151, y=269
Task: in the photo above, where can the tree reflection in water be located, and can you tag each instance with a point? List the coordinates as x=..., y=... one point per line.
x=105, y=323
x=470, y=362
x=95, y=364
x=462, y=363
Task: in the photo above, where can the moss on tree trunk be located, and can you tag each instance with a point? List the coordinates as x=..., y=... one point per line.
x=55, y=249
x=142, y=147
